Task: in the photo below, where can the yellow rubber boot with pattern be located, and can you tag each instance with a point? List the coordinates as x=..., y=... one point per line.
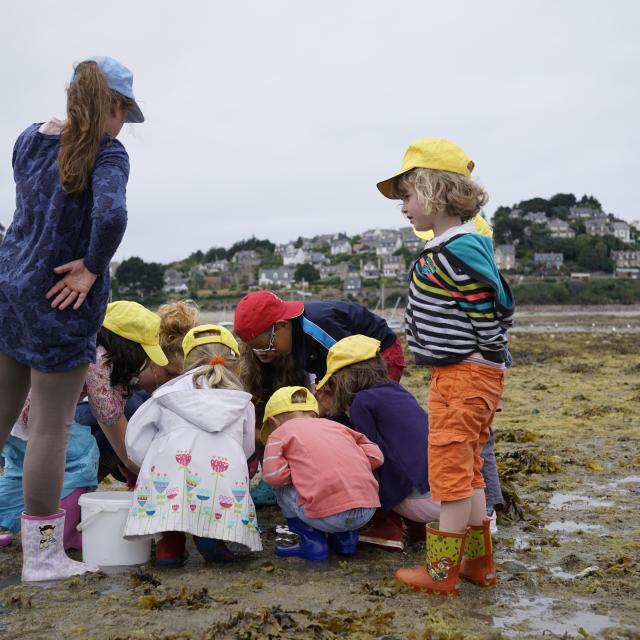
x=440, y=573
x=477, y=564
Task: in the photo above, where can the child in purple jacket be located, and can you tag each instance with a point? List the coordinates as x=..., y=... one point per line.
x=357, y=384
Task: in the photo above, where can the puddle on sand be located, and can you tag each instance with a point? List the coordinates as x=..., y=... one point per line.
x=576, y=501
x=614, y=484
x=538, y=615
x=9, y=582
x=559, y=572
x=570, y=526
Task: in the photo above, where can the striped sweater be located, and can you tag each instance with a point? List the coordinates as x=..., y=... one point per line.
x=458, y=303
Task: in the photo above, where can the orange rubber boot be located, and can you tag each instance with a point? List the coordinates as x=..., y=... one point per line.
x=440, y=573
x=477, y=564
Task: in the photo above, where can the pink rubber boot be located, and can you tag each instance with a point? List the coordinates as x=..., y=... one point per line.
x=72, y=539
x=5, y=539
x=43, y=557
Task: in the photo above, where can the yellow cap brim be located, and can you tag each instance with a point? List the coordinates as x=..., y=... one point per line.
x=265, y=432
x=156, y=354
x=324, y=381
x=425, y=235
x=386, y=186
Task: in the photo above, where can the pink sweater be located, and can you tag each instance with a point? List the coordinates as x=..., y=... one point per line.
x=330, y=466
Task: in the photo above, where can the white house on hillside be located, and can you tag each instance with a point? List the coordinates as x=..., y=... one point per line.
x=281, y=277
x=621, y=230
x=505, y=255
x=393, y=267
x=295, y=256
x=340, y=246
x=369, y=271
x=174, y=282
x=560, y=229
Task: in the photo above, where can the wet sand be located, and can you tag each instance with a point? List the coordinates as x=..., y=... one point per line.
x=567, y=550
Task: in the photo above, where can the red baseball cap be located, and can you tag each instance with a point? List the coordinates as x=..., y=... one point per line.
x=259, y=310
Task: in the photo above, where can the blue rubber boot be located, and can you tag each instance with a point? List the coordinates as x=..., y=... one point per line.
x=312, y=546
x=344, y=543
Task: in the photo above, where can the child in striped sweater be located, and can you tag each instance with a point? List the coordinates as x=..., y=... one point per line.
x=459, y=308
x=322, y=474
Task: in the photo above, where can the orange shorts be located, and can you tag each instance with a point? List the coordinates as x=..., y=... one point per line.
x=462, y=402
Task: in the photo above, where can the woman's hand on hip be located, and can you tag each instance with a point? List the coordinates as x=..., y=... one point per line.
x=73, y=287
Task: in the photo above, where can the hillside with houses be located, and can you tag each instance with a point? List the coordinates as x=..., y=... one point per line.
x=535, y=240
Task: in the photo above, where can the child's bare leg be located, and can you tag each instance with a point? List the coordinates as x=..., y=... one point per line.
x=454, y=515
x=478, y=507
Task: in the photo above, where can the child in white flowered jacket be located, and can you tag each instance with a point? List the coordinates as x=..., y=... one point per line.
x=192, y=439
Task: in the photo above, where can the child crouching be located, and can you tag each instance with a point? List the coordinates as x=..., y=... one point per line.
x=322, y=474
x=192, y=439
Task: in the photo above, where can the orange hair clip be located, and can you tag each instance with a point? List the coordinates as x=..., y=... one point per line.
x=218, y=360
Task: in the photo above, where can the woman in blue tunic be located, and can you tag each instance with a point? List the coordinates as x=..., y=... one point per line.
x=70, y=217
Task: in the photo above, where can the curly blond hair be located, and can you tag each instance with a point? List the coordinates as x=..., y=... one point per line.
x=176, y=320
x=444, y=192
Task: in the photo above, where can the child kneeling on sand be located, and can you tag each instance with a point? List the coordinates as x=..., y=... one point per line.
x=192, y=439
x=322, y=474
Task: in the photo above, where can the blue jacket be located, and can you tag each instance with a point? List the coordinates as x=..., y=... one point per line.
x=325, y=322
x=50, y=228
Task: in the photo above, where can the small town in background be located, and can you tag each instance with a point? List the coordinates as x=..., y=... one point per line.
x=562, y=250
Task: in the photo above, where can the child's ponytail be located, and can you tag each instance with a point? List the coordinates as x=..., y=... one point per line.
x=89, y=101
x=211, y=365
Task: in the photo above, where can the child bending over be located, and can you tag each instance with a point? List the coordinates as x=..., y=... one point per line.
x=192, y=439
x=321, y=472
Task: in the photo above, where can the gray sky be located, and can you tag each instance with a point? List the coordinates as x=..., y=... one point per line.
x=277, y=118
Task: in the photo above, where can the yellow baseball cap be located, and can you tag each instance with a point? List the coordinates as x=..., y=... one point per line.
x=348, y=351
x=430, y=153
x=194, y=338
x=482, y=227
x=134, y=322
x=282, y=402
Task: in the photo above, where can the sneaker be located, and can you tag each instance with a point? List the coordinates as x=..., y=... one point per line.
x=384, y=530
x=6, y=538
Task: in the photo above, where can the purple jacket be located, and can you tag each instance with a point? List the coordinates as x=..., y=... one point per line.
x=392, y=418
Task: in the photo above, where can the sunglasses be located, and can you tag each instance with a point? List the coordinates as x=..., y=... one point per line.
x=271, y=346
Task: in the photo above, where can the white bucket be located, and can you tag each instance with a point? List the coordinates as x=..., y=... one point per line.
x=104, y=516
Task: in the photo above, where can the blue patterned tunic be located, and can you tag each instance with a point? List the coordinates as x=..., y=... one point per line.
x=50, y=228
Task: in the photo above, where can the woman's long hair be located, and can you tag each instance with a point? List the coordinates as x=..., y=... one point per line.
x=89, y=102
x=262, y=379
x=126, y=358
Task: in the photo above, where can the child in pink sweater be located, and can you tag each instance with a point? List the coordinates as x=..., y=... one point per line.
x=322, y=474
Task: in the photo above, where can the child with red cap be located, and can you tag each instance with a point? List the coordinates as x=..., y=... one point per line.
x=288, y=344
x=293, y=338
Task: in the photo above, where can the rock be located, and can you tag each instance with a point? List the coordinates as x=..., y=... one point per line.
x=585, y=573
x=514, y=567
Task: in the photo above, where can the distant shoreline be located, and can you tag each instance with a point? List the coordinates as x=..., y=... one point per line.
x=611, y=319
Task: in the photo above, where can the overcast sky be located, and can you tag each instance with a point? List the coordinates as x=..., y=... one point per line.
x=277, y=118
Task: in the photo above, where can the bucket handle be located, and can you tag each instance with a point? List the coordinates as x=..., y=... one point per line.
x=84, y=523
